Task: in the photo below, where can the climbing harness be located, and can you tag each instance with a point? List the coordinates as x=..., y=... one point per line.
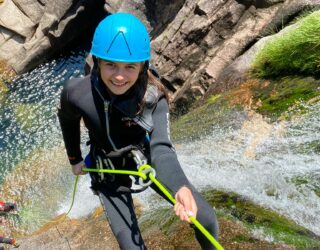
x=146, y=175
x=130, y=155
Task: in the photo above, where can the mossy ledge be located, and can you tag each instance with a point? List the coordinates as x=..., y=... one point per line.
x=253, y=216
x=236, y=210
x=275, y=99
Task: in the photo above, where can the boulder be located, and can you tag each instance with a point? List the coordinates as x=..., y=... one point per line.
x=32, y=31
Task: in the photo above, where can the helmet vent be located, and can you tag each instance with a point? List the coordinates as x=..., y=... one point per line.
x=115, y=37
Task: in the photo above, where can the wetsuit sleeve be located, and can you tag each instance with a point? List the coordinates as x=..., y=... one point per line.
x=163, y=155
x=69, y=118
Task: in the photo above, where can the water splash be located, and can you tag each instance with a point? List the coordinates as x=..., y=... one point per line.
x=271, y=176
x=34, y=168
x=28, y=112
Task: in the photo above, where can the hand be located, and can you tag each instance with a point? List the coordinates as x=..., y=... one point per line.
x=77, y=168
x=186, y=205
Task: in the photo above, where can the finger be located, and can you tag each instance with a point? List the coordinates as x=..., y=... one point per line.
x=188, y=206
x=186, y=217
x=194, y=208
x=177, y=209
x=182, y=214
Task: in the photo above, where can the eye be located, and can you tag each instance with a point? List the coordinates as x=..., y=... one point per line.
x=109, y=64
x=132, y=66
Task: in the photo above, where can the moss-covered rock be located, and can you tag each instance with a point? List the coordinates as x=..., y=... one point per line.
x=310, y=180
x=296, y=52
x=255, y=216
x=217, y=110
x=274, y=99
x=3, y=87
x=6, y=72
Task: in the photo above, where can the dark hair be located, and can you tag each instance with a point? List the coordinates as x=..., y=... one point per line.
x=147, y=77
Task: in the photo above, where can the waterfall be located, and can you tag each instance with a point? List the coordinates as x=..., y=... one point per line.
x=276, y=165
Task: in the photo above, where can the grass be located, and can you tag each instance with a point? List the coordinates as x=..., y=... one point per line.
x=296, y=52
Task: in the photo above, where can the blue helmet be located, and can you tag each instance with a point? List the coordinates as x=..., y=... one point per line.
x=121, y=37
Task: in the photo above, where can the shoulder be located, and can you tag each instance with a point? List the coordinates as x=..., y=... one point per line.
x=76, y=87
x=153, y=95
x=76, y=83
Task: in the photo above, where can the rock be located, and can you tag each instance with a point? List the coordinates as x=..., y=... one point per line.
x=193, y=42
x=33, y=31
x=13, y=19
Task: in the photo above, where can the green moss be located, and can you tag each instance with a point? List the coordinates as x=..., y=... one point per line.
x=307, y=180
x=285, y=93
x=3, y=87
x=199, y=121
x=235, y=208
x=317, y=192
x=242, y=237
x=307, y=147
x=254, y=216
x=296, y=52
x=160, y=218
x=167, y=224
x=277, y=98
x=3, y=92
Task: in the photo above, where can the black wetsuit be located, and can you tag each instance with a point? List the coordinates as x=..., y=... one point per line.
x=113, y=124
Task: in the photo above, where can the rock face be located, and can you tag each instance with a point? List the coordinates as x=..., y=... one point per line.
x=193, y=41
x=32, y=30
x=207, y=36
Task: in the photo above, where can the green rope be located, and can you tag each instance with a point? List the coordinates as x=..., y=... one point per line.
x=193, y=219
x=116, y=171
x=159, y=185
x=73, y=194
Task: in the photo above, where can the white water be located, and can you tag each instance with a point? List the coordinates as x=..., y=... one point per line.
x=266, y=176
x=260, y=161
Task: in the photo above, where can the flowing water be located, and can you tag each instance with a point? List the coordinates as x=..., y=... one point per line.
x=32, y=157
x=275, y=165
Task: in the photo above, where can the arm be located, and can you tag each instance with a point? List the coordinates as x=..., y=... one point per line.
x=69, y=118
x=166, y=164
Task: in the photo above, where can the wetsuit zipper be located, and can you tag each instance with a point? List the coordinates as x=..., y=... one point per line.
x=106, y=111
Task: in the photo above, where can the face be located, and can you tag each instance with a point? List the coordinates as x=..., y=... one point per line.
x=119, y=77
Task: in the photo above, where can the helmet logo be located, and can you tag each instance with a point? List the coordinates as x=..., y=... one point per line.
x=121, y=32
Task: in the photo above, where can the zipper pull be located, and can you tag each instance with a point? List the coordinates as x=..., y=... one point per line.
x=106, y=107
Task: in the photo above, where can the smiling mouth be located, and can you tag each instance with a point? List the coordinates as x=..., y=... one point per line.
x=118, y=84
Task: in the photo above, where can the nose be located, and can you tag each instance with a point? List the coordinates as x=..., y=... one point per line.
x=119, y=74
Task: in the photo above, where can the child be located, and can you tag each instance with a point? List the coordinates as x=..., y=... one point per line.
x=125, y=108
